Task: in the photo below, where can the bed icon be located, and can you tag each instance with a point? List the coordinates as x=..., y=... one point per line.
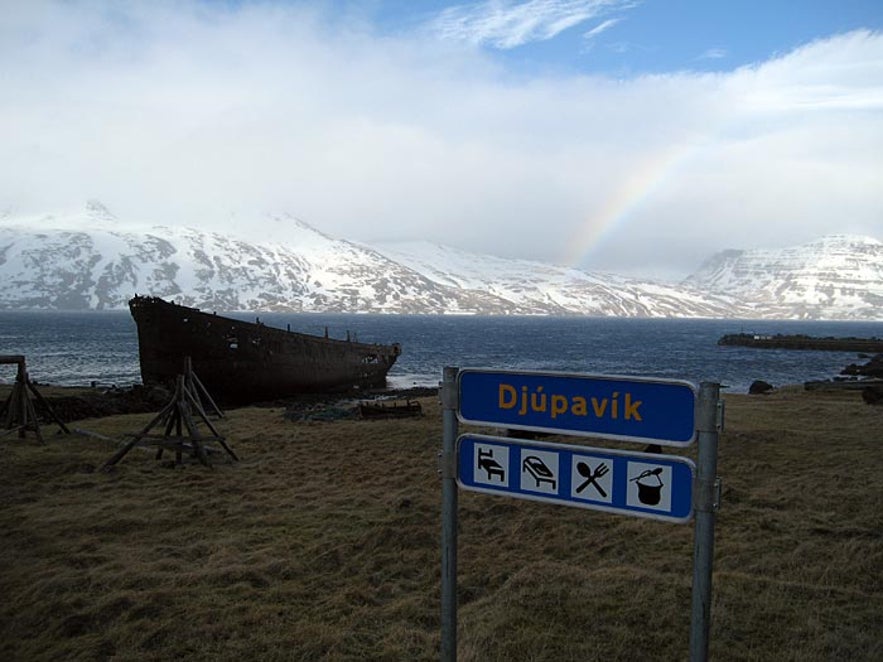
x=489, y=465
x=538, y=469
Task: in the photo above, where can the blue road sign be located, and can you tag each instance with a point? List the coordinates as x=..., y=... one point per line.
x=622, y=408
x=639, y=484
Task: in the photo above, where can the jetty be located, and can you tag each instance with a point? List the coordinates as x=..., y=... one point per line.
x=800, y=341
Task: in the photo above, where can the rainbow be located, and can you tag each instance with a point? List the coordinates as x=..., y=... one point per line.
x=633, y=192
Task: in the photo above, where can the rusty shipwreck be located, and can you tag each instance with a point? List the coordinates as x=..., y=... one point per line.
x=240, y=362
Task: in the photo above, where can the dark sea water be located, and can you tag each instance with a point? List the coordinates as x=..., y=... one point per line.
x=79, y=348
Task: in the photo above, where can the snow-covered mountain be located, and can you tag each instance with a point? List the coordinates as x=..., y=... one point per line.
x=835, y=277
x=93, y=260
x=545, y=288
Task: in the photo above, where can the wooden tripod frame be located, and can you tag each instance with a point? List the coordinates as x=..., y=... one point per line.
x=18, y=412
x=176, y=416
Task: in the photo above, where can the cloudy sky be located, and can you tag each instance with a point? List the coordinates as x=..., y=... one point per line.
x=619, y=135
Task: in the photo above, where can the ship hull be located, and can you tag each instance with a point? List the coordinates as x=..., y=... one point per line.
x=240, y=362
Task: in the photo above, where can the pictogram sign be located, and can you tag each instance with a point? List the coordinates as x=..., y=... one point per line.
x=629, y=483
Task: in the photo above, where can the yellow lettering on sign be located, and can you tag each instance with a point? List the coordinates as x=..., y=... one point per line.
x=599, y=407
x=559, y=405
x=525, y=400
x=508, y=396
x=579, y=407
x=538, y=400
x=631, y=408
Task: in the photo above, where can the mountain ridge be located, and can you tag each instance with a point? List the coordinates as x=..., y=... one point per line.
x=93, y=260
x=821, y=279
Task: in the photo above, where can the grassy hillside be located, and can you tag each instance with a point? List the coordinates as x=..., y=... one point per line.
x=322, y=543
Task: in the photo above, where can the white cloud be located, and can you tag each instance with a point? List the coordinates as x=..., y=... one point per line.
x=601, y=27
x=714, y=54
x=508, y=24
x=175, y=112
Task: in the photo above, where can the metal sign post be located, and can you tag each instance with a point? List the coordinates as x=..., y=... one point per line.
x=710, y=422
x=449, y=401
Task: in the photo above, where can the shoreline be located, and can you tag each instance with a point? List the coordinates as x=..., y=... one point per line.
x=76, y=402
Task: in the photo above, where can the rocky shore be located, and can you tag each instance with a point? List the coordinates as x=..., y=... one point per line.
x=78, y=403
x=873, y=368
x=866, y=377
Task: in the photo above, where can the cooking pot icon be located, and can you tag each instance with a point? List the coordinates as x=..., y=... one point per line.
x=649, y=486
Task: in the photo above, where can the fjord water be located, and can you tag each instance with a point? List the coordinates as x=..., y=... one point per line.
x=67, y=348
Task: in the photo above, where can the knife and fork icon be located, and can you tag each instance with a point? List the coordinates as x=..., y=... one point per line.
x=591, y=476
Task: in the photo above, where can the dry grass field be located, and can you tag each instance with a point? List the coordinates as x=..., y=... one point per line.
x=322, y=543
